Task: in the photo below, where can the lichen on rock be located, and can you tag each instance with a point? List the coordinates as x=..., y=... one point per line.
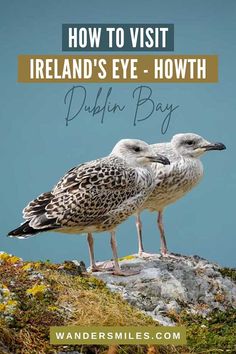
x=171, y=284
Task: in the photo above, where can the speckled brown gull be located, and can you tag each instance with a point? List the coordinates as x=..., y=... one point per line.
x=95, y=196
x=176, y=180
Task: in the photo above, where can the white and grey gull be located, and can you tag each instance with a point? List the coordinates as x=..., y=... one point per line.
x=176, y=180
x=95, y=196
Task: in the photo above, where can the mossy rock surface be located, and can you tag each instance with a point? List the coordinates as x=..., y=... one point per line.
x=37, y=295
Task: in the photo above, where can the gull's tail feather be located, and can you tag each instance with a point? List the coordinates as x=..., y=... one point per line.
x=26, y=231
x=37, y=220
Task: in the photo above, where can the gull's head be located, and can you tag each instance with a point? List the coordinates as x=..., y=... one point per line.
x=193, y=145
x=137, y=153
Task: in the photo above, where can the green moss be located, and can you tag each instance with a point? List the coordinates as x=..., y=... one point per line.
x=49, y=294
x=26, y=330
x=213, y=334
x=228, y=272
x=127, y=258
x=74, y=297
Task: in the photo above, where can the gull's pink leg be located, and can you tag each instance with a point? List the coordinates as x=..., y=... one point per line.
x=139, y=232
x=117, y=270
x=141, y=252
x=93, y=266
x=164, y=250
x=100, y=267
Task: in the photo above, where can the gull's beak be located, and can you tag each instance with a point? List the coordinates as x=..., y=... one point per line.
x=159, y=158
x=214, y=146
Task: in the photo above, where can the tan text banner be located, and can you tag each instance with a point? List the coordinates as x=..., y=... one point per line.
x=117, y=335
x=118, y=68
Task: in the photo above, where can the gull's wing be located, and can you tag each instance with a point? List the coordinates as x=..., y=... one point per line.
x=90, y=193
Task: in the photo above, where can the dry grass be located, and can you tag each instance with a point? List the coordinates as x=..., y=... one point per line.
x=113, y=349
x=47, y=295
x=91, y=303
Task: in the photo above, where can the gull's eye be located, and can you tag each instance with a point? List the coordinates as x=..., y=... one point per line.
x=189, y=142
x=136, y=148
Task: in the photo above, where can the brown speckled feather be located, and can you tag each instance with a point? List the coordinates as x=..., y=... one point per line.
x=99, y=195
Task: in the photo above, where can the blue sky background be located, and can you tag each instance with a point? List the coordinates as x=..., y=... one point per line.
x=37, y=148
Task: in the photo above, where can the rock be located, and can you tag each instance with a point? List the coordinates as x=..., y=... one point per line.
x=167, y=285
x=73, y=267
